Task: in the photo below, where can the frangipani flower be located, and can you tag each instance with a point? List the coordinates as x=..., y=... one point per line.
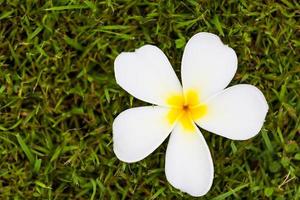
x=237, y=112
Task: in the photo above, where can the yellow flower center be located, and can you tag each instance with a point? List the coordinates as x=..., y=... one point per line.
x=186, y=109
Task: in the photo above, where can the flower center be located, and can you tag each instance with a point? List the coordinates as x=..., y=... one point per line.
x=185, y=109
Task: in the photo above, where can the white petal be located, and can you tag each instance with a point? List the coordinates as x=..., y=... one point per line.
x=137, y=132
x=147, y=75
x=237, y=113
x=207, y=64
x=189, y=165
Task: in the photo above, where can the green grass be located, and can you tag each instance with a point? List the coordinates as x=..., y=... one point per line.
x=58, y=96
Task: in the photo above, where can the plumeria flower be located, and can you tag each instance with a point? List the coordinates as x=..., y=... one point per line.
x=237, y=112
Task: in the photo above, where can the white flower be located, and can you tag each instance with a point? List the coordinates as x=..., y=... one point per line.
x=237, y=112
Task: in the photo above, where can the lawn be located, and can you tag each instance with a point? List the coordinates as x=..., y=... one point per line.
x=59, y=97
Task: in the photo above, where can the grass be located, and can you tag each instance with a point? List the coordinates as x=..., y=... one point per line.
x=58, y=96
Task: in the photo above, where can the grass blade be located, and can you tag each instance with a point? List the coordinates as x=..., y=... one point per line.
x=25, y=148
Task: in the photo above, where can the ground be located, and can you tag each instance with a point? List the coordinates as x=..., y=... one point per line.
x=59, y=97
